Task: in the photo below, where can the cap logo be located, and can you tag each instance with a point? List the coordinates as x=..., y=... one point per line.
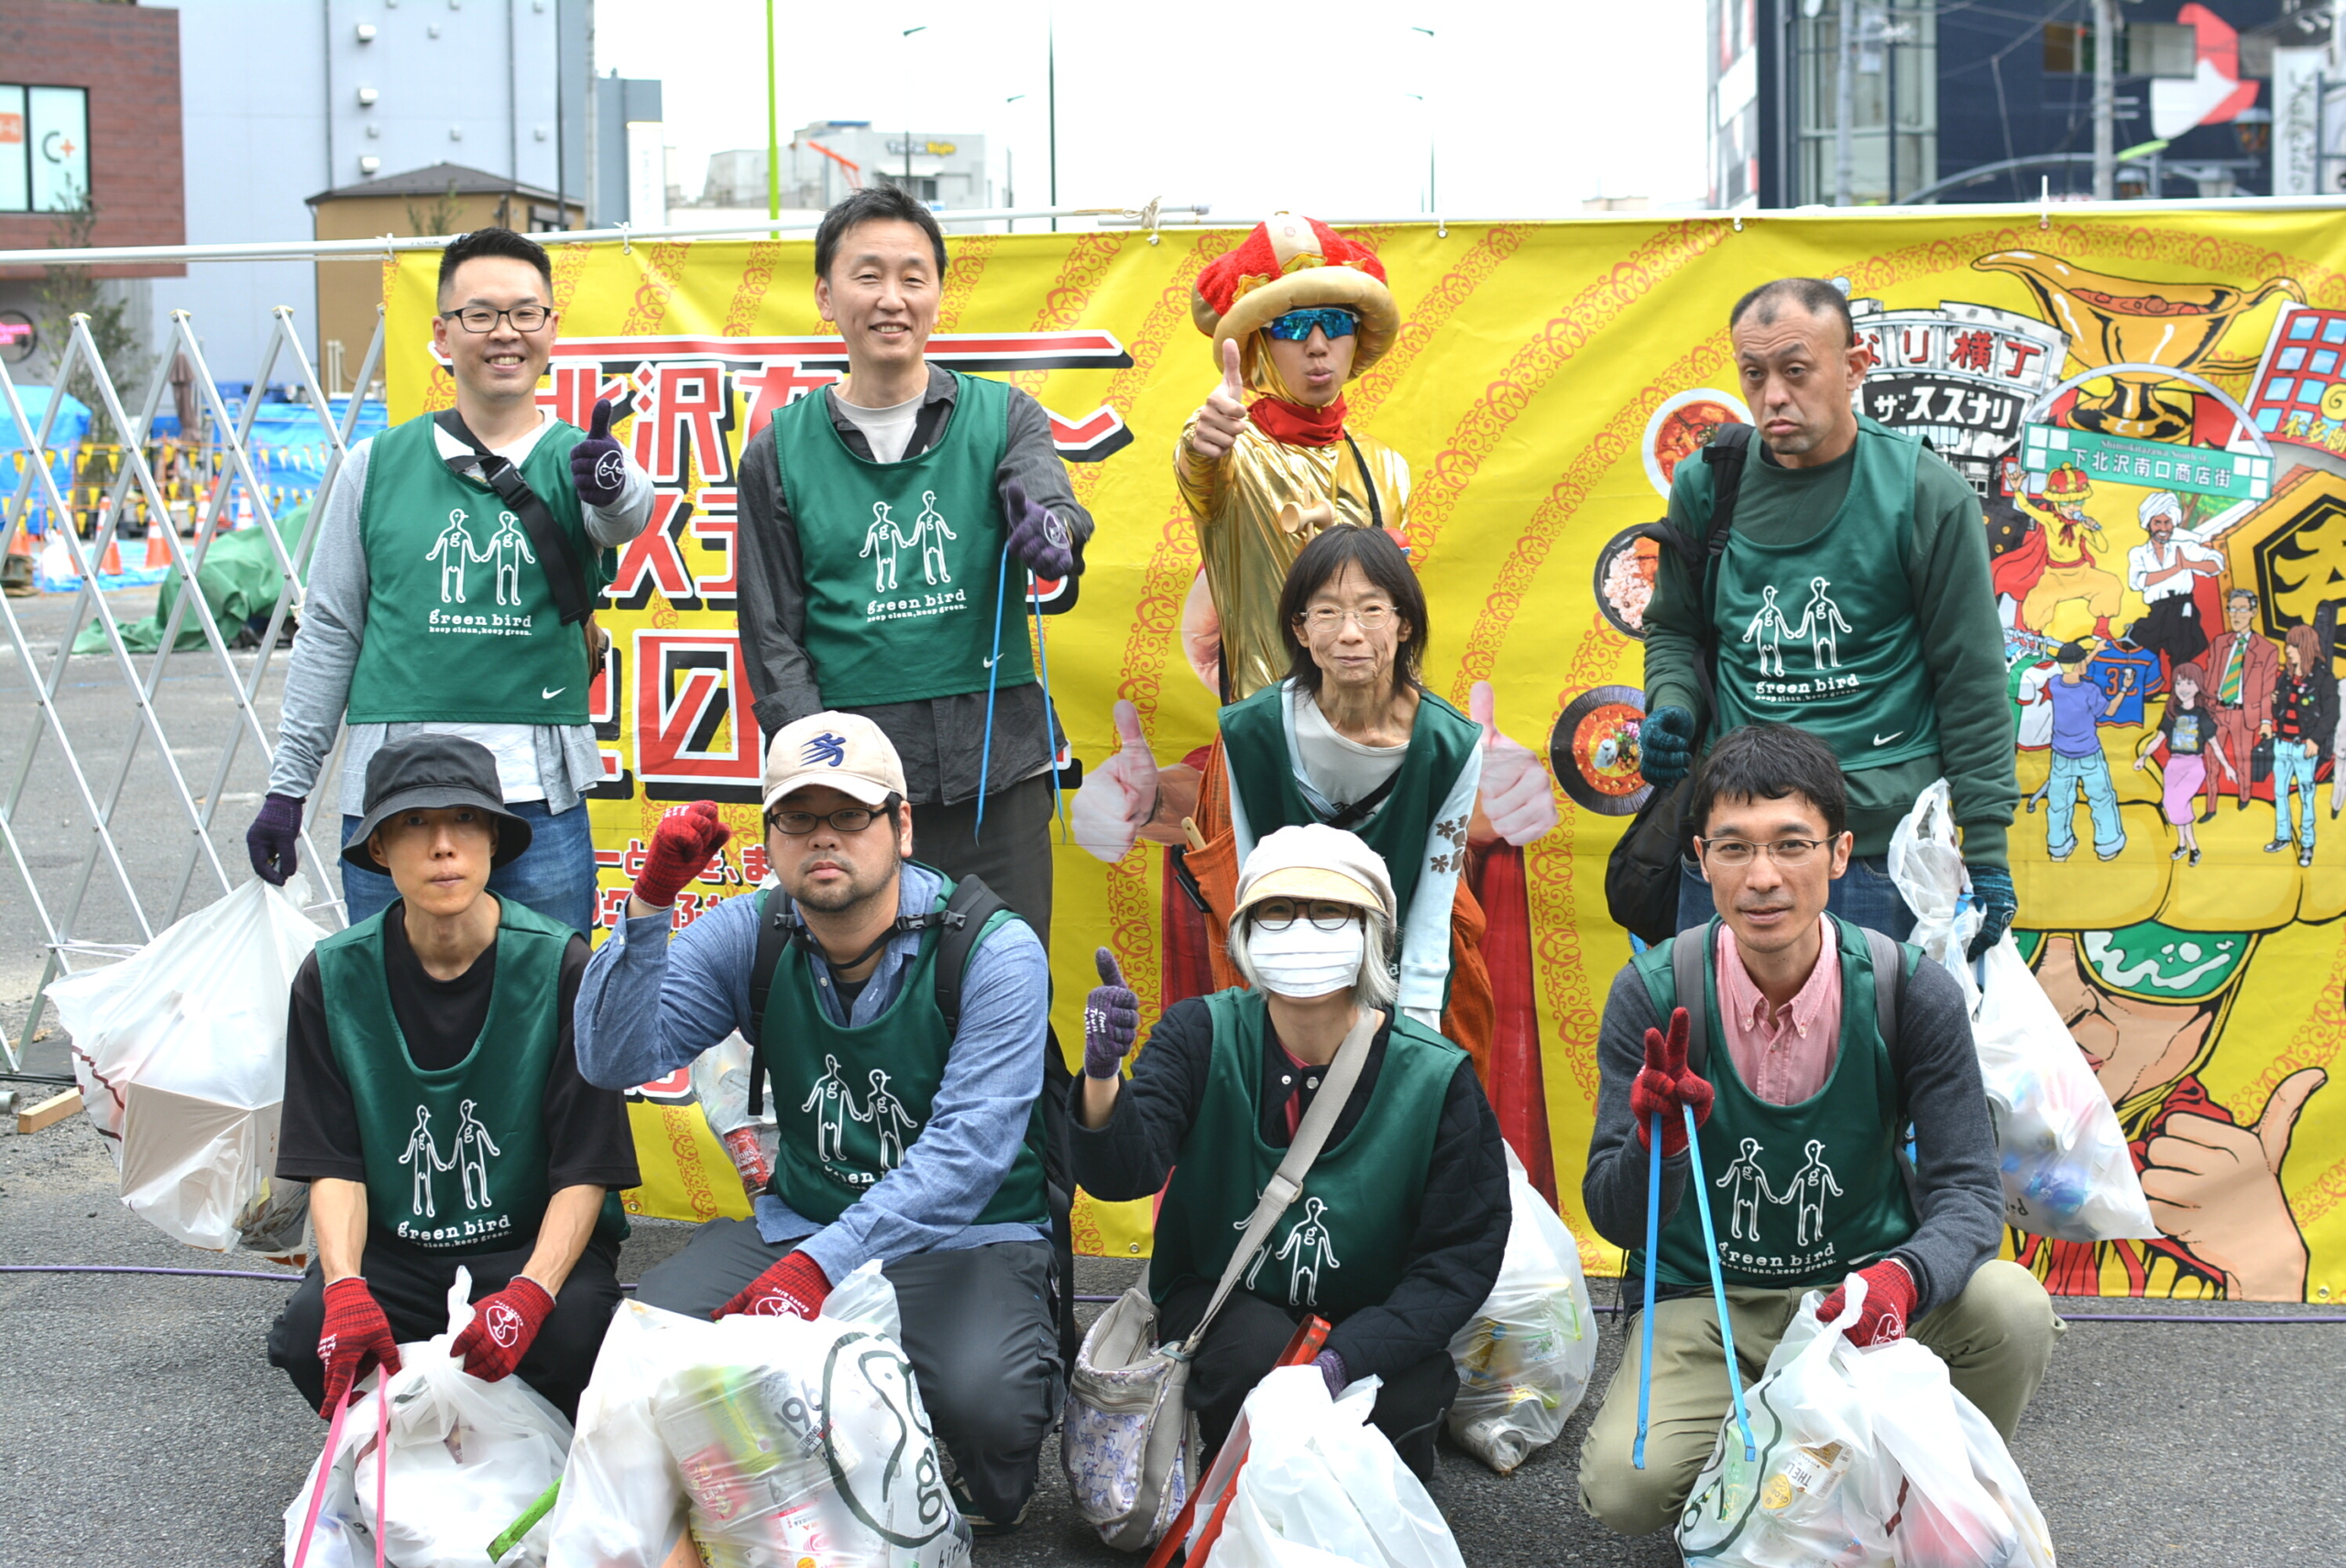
x=827, y=748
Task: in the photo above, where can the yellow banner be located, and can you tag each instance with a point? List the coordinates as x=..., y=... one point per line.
x=1545, y=380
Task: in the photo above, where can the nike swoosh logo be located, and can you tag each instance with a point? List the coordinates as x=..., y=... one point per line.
x=545, y=696
x=1886, y=740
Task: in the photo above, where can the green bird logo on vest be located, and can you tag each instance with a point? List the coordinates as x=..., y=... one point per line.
x=452, y=548
x=1309, y=1248
x=507, y=550
x=832, y=1101
x=1747, y=1186
x=470, y=1160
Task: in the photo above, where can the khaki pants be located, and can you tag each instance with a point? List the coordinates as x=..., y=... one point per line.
x=1995, y=1338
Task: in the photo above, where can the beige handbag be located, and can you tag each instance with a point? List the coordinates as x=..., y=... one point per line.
x=1127, y=1442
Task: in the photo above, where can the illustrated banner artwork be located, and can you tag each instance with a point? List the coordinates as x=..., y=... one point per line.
x=2128, y=397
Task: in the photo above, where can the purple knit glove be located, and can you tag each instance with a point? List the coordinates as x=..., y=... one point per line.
x=1110, y=1020
x=1332, y=1367
x=599, y=465
x=1038, y=537
x=274, y=839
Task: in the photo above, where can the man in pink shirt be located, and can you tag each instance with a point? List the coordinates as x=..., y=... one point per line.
x=1805, y=1119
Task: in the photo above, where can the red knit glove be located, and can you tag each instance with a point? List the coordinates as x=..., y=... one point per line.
x=1889, y=1301
x=497, y=1339
x=355, y=1340
x=795, y=1285
x=1664, y=1084
x=681, y=848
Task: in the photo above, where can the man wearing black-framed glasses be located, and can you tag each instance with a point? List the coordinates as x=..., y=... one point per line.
x=453, y=586
x=1822, y=1048
x=860, y=966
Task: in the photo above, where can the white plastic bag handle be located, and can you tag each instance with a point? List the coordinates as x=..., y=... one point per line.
x=325, y=1467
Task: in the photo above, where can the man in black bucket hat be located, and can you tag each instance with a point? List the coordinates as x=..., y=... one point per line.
x=434, y=1104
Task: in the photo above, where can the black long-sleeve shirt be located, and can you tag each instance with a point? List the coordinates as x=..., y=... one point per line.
x=942, y=741
x=1959, y=1196
x=1461, y=1236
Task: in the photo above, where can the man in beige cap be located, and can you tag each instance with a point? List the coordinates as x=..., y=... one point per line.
x=901, y=1016
x=1401, y=1222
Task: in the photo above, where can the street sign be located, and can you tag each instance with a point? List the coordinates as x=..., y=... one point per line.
x=2153, y=465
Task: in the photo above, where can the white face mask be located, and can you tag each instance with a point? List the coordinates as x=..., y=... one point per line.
x=1304, y=961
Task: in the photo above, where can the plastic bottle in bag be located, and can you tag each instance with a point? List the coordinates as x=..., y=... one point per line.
x=1524, y=1358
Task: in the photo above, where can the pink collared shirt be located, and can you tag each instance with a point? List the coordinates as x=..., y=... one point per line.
x=1784, y=1054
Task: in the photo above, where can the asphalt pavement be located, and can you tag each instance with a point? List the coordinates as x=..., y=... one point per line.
x=140, y=1421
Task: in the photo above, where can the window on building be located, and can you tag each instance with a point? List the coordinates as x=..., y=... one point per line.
x=2144, y=49
x=1893, y=104
x=44, y=149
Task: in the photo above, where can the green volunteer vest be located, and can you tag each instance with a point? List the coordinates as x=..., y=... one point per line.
x=1822, y=633
x=1800, y=1194
x=1257, y=763
x=455, y=1158
x=902, y=562
x=461, y=623
x=1344, y=1240
x=850, y=1101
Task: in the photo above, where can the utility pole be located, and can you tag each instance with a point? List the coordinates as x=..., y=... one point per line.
x=774, y=134
x=1845, y=106
x=1051, y=92
x=2105, y=100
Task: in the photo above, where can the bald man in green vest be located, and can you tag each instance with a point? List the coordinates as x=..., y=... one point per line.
x=1851, y=598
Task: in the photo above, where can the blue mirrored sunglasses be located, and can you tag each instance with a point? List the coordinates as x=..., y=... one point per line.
x=1295, y=326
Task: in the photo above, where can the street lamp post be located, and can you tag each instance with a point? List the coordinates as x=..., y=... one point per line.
x=908, y=119
x=1433, y=196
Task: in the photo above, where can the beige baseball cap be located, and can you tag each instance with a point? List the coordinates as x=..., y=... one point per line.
x=844, y=752
x=1315, y=861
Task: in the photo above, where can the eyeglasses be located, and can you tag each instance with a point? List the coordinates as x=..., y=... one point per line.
x=1327, y=617
x=847, y=819
x=1279, y=914
x=481, y=318
x=1783, y=851
x=1295, y=326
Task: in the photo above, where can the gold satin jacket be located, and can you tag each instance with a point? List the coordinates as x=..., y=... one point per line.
x=1236, y=505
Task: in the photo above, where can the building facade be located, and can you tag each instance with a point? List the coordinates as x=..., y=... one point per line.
x=1961, y=104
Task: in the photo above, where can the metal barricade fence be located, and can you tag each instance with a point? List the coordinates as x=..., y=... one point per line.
x=102, y=495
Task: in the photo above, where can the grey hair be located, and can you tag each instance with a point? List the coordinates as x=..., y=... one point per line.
x=1377, y=985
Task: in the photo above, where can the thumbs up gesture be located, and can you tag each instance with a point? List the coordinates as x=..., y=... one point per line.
x=1111, y=1019
x=2215, y=1187
x=1215, y=429
x=1517, y=798
x=1117, y=800
x=599, y=465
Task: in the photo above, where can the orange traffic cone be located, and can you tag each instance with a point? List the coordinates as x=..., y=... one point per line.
x=159, y=552
x=112, y=565
x=16, y=566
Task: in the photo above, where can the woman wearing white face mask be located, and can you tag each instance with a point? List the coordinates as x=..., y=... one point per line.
x=1402, y=1219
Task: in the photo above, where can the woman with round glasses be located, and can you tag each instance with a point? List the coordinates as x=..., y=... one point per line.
x=1350, y=738
x=1401, y=1222
x=1295, y=313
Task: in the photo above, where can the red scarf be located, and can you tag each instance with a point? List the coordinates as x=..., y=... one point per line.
x=1296, y=425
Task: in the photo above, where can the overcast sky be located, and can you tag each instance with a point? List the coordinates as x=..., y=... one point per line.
x=1537, y=106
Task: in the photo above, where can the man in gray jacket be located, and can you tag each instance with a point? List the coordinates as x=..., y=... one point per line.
x=1804, y=1171
x=888, y=527
x=437, y=603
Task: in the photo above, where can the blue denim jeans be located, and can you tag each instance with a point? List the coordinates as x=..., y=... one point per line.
x=555, y=876
x=2292, y=767
x=2087, y=775
x=1863, y=896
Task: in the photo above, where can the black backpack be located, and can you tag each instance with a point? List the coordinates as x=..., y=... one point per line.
x=1642, y=874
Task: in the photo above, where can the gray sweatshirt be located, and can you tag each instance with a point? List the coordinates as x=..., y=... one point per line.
x=1957, y=1194
x=334, y=625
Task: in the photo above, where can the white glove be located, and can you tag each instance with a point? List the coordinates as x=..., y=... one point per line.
x=1117, y=800
x=1515, y=796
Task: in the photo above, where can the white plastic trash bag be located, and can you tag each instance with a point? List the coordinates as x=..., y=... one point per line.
x=777, y=1440
x=1320, y=1486
x=466, y=1459
x=1865, y=1459
x=1524, y=1359
x=1927, y=868
x=179, y=1052
x=2066, y=1171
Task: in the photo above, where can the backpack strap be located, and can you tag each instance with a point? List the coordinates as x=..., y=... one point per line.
x=574, y=596
x=1889, y=958
x=1689, y=978
x=967, y=914
x=774, y=936
x=1729, y=446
